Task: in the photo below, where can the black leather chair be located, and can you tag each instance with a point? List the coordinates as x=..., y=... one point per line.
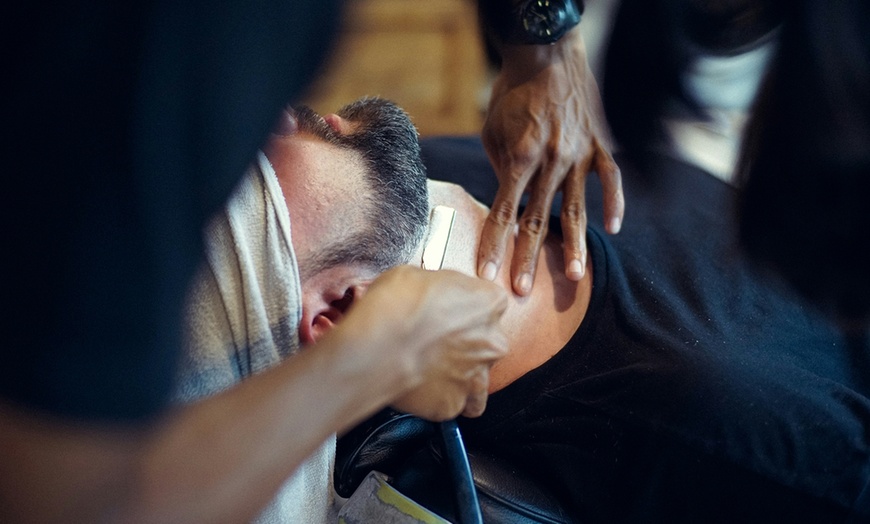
x=408, y=450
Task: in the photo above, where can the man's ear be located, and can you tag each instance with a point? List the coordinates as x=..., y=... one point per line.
x=322, y=313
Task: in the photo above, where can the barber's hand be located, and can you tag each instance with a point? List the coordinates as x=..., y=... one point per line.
x=544, y=133
x=445, y=333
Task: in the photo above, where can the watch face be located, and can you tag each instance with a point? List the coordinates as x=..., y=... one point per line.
x=545, y=19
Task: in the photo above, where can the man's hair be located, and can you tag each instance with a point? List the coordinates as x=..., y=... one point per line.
x=397, y=202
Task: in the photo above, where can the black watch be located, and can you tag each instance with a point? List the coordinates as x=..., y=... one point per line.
x=542, y=22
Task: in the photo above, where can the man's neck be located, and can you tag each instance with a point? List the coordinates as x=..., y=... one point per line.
x=541, y=324
x=537, y=326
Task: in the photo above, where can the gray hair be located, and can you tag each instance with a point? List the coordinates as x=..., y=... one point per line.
x=398, y=204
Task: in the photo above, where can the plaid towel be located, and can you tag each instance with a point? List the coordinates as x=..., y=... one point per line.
x=242, y=317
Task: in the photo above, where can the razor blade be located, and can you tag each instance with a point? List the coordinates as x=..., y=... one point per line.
x=440, y=225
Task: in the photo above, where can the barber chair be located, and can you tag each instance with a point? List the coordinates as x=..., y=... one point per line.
x=411, y=453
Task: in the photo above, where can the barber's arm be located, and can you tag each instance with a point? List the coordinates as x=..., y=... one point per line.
x=222, y=459
x=544, y=133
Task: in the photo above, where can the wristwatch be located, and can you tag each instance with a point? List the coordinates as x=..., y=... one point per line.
x=542, y=22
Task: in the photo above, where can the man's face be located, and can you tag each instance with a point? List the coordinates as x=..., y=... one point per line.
x=326, y=191
x=356, y=191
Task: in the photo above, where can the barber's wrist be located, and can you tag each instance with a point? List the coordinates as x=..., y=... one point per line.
x=529, y=22
x=522, y=62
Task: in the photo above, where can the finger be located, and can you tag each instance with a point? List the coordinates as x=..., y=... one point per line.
x=573, y=218
x=532, y=231
x=611, y=184
x=497, y=229
x=493, y=297
x=488, y=298
x=475, y=404
x=484, y=346
x=499, y=303
x=498, y=345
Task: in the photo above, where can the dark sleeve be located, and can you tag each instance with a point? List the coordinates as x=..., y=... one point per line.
x=129, y=124
x=494, y=15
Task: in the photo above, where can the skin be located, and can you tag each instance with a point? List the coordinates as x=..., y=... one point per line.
x=322, y=184
x=223, y=458
x=544, y=133
x=538, y=325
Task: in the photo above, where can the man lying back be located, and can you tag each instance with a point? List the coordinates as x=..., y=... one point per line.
x=672, y=383
x=331, y=203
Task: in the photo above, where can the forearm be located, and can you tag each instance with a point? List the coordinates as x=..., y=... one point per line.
x=520, y=63
x=218, y=460
x=223, y=458
x=261, y=431
x=499, y=22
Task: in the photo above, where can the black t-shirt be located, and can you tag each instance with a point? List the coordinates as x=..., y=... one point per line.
x=127, y=125
x=697, y=388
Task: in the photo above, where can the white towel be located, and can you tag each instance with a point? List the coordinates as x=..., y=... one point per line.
x=242, y=317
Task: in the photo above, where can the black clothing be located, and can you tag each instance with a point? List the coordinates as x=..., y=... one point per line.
x=696, y=388
x=128, y=124
x=806, y=186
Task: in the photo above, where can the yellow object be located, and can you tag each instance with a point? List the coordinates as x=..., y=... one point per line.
x=375, y=500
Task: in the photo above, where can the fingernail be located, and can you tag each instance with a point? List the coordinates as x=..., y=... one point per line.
x=575, y=269
x=525, y=283
x=615, y=225
x=489, y=271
